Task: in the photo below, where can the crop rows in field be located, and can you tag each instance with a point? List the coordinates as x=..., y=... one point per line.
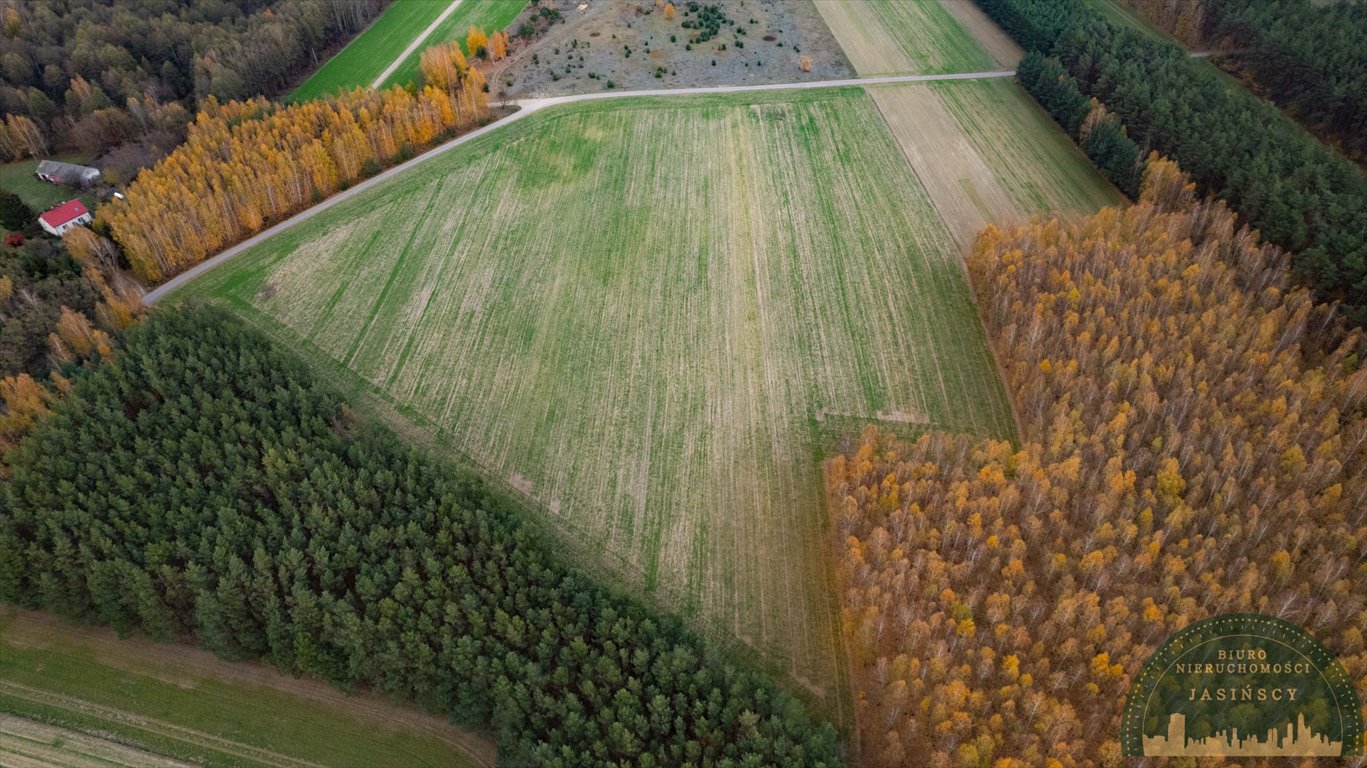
x=639, y=314
x=986, y=153
x=998, y=45
x=897, y=37
x=30, y=744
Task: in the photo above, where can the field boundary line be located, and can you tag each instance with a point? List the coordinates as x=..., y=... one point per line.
x=36, y=741
x=528, y=107
x=916, y=174
x=479, y=751
x=152, y=725
x=417, y=41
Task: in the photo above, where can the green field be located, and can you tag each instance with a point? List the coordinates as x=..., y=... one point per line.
x=1032, y=158
x=184, y=703
x=490, y=15
x=18, y=178
x=646, y=316
x=371, y=53
x=367, y=56
x=897, y=37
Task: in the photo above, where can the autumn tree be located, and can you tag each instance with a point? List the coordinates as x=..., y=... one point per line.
x=76, y=338
x=669, y=11
x=477, y=42
x=22, y=138
x=26, y=401
x=1193, y=442
x=498, y=45
x=245, y=165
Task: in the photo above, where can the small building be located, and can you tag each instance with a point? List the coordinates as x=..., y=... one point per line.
x=70, y=214
x=70, y=174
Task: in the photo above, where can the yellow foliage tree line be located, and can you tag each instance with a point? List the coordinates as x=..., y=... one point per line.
x=245, y=165
x=1194, y=436
x=74, y=339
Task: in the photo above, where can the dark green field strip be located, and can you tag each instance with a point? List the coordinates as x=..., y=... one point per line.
x=489, y=15
x=367, y=56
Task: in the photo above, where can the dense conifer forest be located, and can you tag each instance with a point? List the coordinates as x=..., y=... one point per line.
x=202, y=485
x=1297, y=191
x=1309, y=57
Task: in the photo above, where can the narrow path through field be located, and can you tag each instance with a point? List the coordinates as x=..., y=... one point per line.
x=34, y=629
x=154, y=726
x=413, y=46
x=28, y=743
x=529, y=107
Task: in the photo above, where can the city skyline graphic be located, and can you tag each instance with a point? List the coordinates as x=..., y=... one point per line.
x=1287, y=740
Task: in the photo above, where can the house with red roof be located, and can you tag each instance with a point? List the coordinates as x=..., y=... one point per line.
x=70, y=214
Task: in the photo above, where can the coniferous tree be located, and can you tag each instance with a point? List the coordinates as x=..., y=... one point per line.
x=203, y=483
x=14, y=212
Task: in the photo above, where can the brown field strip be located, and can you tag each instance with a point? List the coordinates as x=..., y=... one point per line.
x=894, y=37
x=27, y=743
x=997, y=43
x=985, y=153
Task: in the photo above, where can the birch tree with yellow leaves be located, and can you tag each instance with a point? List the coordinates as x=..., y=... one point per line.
x=1194, y=435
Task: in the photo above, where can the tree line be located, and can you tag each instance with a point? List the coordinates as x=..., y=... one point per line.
x=95, y=74
x=1296, y=191
x=1194, y=442
x=1099, y=133
x=1308, y=57
x=246, y=165
x=204, y=484
x=63, y=303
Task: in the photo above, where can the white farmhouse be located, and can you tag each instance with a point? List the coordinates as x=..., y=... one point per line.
x=70, y=214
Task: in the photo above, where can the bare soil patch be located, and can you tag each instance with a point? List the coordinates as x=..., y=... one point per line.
x=631, y=45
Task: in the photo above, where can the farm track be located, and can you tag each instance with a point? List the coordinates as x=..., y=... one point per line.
x=28, y=743
x=187, y=666
x=153, y=726
x=417, y=41
x=528, y=107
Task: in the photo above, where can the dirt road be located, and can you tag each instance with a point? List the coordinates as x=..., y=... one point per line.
x=530, y=107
